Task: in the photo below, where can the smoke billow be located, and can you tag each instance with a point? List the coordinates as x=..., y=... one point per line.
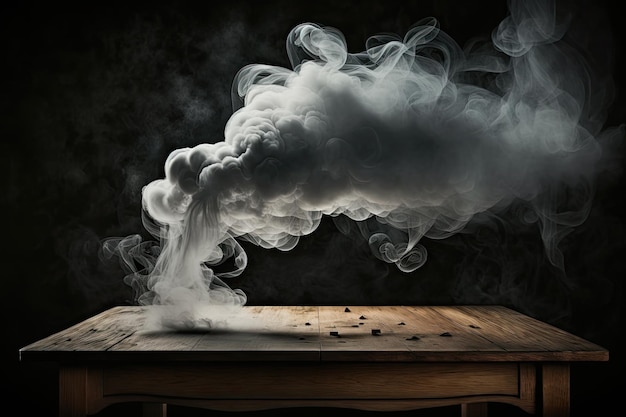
x=410, y=139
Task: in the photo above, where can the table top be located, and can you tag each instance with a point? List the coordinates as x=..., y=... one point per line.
x=321, y=333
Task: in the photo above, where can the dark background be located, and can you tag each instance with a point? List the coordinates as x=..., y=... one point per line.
x=94, y=97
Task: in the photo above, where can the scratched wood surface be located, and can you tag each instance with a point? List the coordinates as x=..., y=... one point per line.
x=321, y=333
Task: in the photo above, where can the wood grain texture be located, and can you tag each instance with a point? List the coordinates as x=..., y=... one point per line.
x=245, y=381
x=381, y=358
x=72, y=391
x=326, y=333
x=556, y=389
x=375, y=386
x=528, y=387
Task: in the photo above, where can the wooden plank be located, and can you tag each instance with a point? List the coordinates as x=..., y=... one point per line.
x=475, y=333
x=279, y=380
x=96, y=334
x=364, y=333
x=276, y=333
x=155, y=339
x=437, y=332
x=259, y=333
x=150, y=339
x=255, y=333
x=407, y=334
x=516, y=332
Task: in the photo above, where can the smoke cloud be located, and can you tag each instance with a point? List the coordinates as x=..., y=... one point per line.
x=410, y=139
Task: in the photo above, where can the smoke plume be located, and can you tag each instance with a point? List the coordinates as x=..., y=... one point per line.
x=411, y=139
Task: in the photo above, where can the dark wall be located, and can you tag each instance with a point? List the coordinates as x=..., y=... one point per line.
x=94, y=98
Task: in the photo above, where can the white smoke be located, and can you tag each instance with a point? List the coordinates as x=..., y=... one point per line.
x=415, y=132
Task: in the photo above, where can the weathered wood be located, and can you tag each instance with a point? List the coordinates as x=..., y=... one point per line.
x=529, y=337
x=88, y=339
x=267, y=333
x=354, y=339
x=431, y=324
x=382, y=358
x=255, y=333
x=407, y=334
x=271, y=333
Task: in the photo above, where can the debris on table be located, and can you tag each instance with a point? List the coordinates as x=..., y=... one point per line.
x=413, y=338
x=402, y=323
x=445, y=334
x=376, y=332
x=362, y=318
x=346, y=310
x=334, y=333
x=473, y=326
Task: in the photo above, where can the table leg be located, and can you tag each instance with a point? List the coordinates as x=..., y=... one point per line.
x=72, y=391
x=154, y=410
x=474, y=410
x=556, y=389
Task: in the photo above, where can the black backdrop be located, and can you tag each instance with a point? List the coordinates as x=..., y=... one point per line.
x=94, y=98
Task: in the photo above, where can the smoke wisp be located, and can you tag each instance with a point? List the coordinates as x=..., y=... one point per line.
x=410, y=139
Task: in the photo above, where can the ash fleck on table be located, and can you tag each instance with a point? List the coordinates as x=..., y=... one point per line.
x=383, y=358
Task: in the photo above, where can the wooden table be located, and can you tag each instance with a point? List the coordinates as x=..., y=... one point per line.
x=363, y=357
